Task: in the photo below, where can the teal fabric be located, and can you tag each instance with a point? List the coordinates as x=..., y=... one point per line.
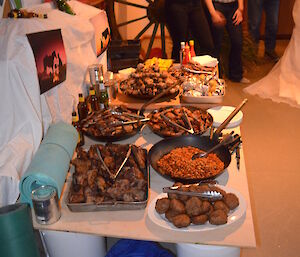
x=50, y=164
x=17, y=237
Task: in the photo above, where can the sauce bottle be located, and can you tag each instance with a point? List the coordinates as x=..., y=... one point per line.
x=187, y=56
x=76, y=124
x=181, y=52
x=192, y=49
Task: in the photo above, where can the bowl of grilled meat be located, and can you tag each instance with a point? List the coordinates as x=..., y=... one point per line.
x=112, y=124
x=109, y=177
x=147, y=82
x=176, y=121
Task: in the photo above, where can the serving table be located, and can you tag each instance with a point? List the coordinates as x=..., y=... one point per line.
x=135, y=224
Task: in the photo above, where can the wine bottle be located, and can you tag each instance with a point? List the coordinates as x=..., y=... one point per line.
x=76, y=124
x=82, y=108
x=63, y=6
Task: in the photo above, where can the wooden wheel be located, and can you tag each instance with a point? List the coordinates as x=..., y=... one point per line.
x=154, y=13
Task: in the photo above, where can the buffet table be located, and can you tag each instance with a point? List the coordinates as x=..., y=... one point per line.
x=136, y=224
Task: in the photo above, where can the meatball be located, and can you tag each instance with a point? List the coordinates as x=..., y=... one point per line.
x=206, y=207
x=170, y=214
x=175, y=196
x=218, y=217
x=181, y=221
x=203, y=188
x=215, y=188
x=183, y=197
x=200, y=219
x=177, y=206
x=231, y=201
x=220, y=205
x=193, y=206
x=162, y=205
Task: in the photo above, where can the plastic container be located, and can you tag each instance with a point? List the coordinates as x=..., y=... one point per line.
x=197, y=250
x=66, y=244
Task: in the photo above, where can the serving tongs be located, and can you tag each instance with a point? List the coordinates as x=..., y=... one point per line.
x=114, y=176
x=227, y=139
x=227, y=120
x=123, y=163
x=190, y=130
x=155, y=98
x=132, y=115
x=211, y=195
x=123, y=123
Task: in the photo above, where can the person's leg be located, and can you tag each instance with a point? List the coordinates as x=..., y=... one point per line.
x=272, y=10
x=177, y=23
x=201, y=30
x=255, y=8
x=217, y=34
x=236, y=39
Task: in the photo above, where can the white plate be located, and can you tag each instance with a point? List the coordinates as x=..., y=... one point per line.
x=220, y=113
x=234, y=215
x=206, y=60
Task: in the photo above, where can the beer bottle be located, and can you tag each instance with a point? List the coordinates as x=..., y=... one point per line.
x=76, y=124
x=63, y=6
x=82, y=107
x=192, y=49
x=94, y=102
x=103, y=95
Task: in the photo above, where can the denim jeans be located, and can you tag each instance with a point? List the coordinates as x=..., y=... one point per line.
x=255, y=9
x=236, y=39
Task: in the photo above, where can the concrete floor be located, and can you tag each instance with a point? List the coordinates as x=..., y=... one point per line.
x=271, y=145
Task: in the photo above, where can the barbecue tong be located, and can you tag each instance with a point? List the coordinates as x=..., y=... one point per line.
x=186, y=118
x=211, y=195
x=114, y=176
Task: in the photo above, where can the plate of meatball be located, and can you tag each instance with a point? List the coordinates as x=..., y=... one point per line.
x=192, y=214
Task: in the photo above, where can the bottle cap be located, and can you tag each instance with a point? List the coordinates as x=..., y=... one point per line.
x=191, y=42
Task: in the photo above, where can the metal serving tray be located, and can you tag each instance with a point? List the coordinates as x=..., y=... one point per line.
x=112, y=206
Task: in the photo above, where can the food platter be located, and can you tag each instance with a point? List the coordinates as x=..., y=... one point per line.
x=166, y=145
x=99, y=126
x=200, y=120
x=147, y=82
x=233, y=217
x=110, y=197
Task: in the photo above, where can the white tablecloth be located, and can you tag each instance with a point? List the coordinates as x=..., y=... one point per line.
x=25, y=115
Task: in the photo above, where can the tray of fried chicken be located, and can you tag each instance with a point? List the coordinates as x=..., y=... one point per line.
x=148, y=81
x=112, y=124
x=109, y=177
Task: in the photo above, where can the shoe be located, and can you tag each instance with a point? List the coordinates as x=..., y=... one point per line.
x=271, y=54
x=244, y=80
